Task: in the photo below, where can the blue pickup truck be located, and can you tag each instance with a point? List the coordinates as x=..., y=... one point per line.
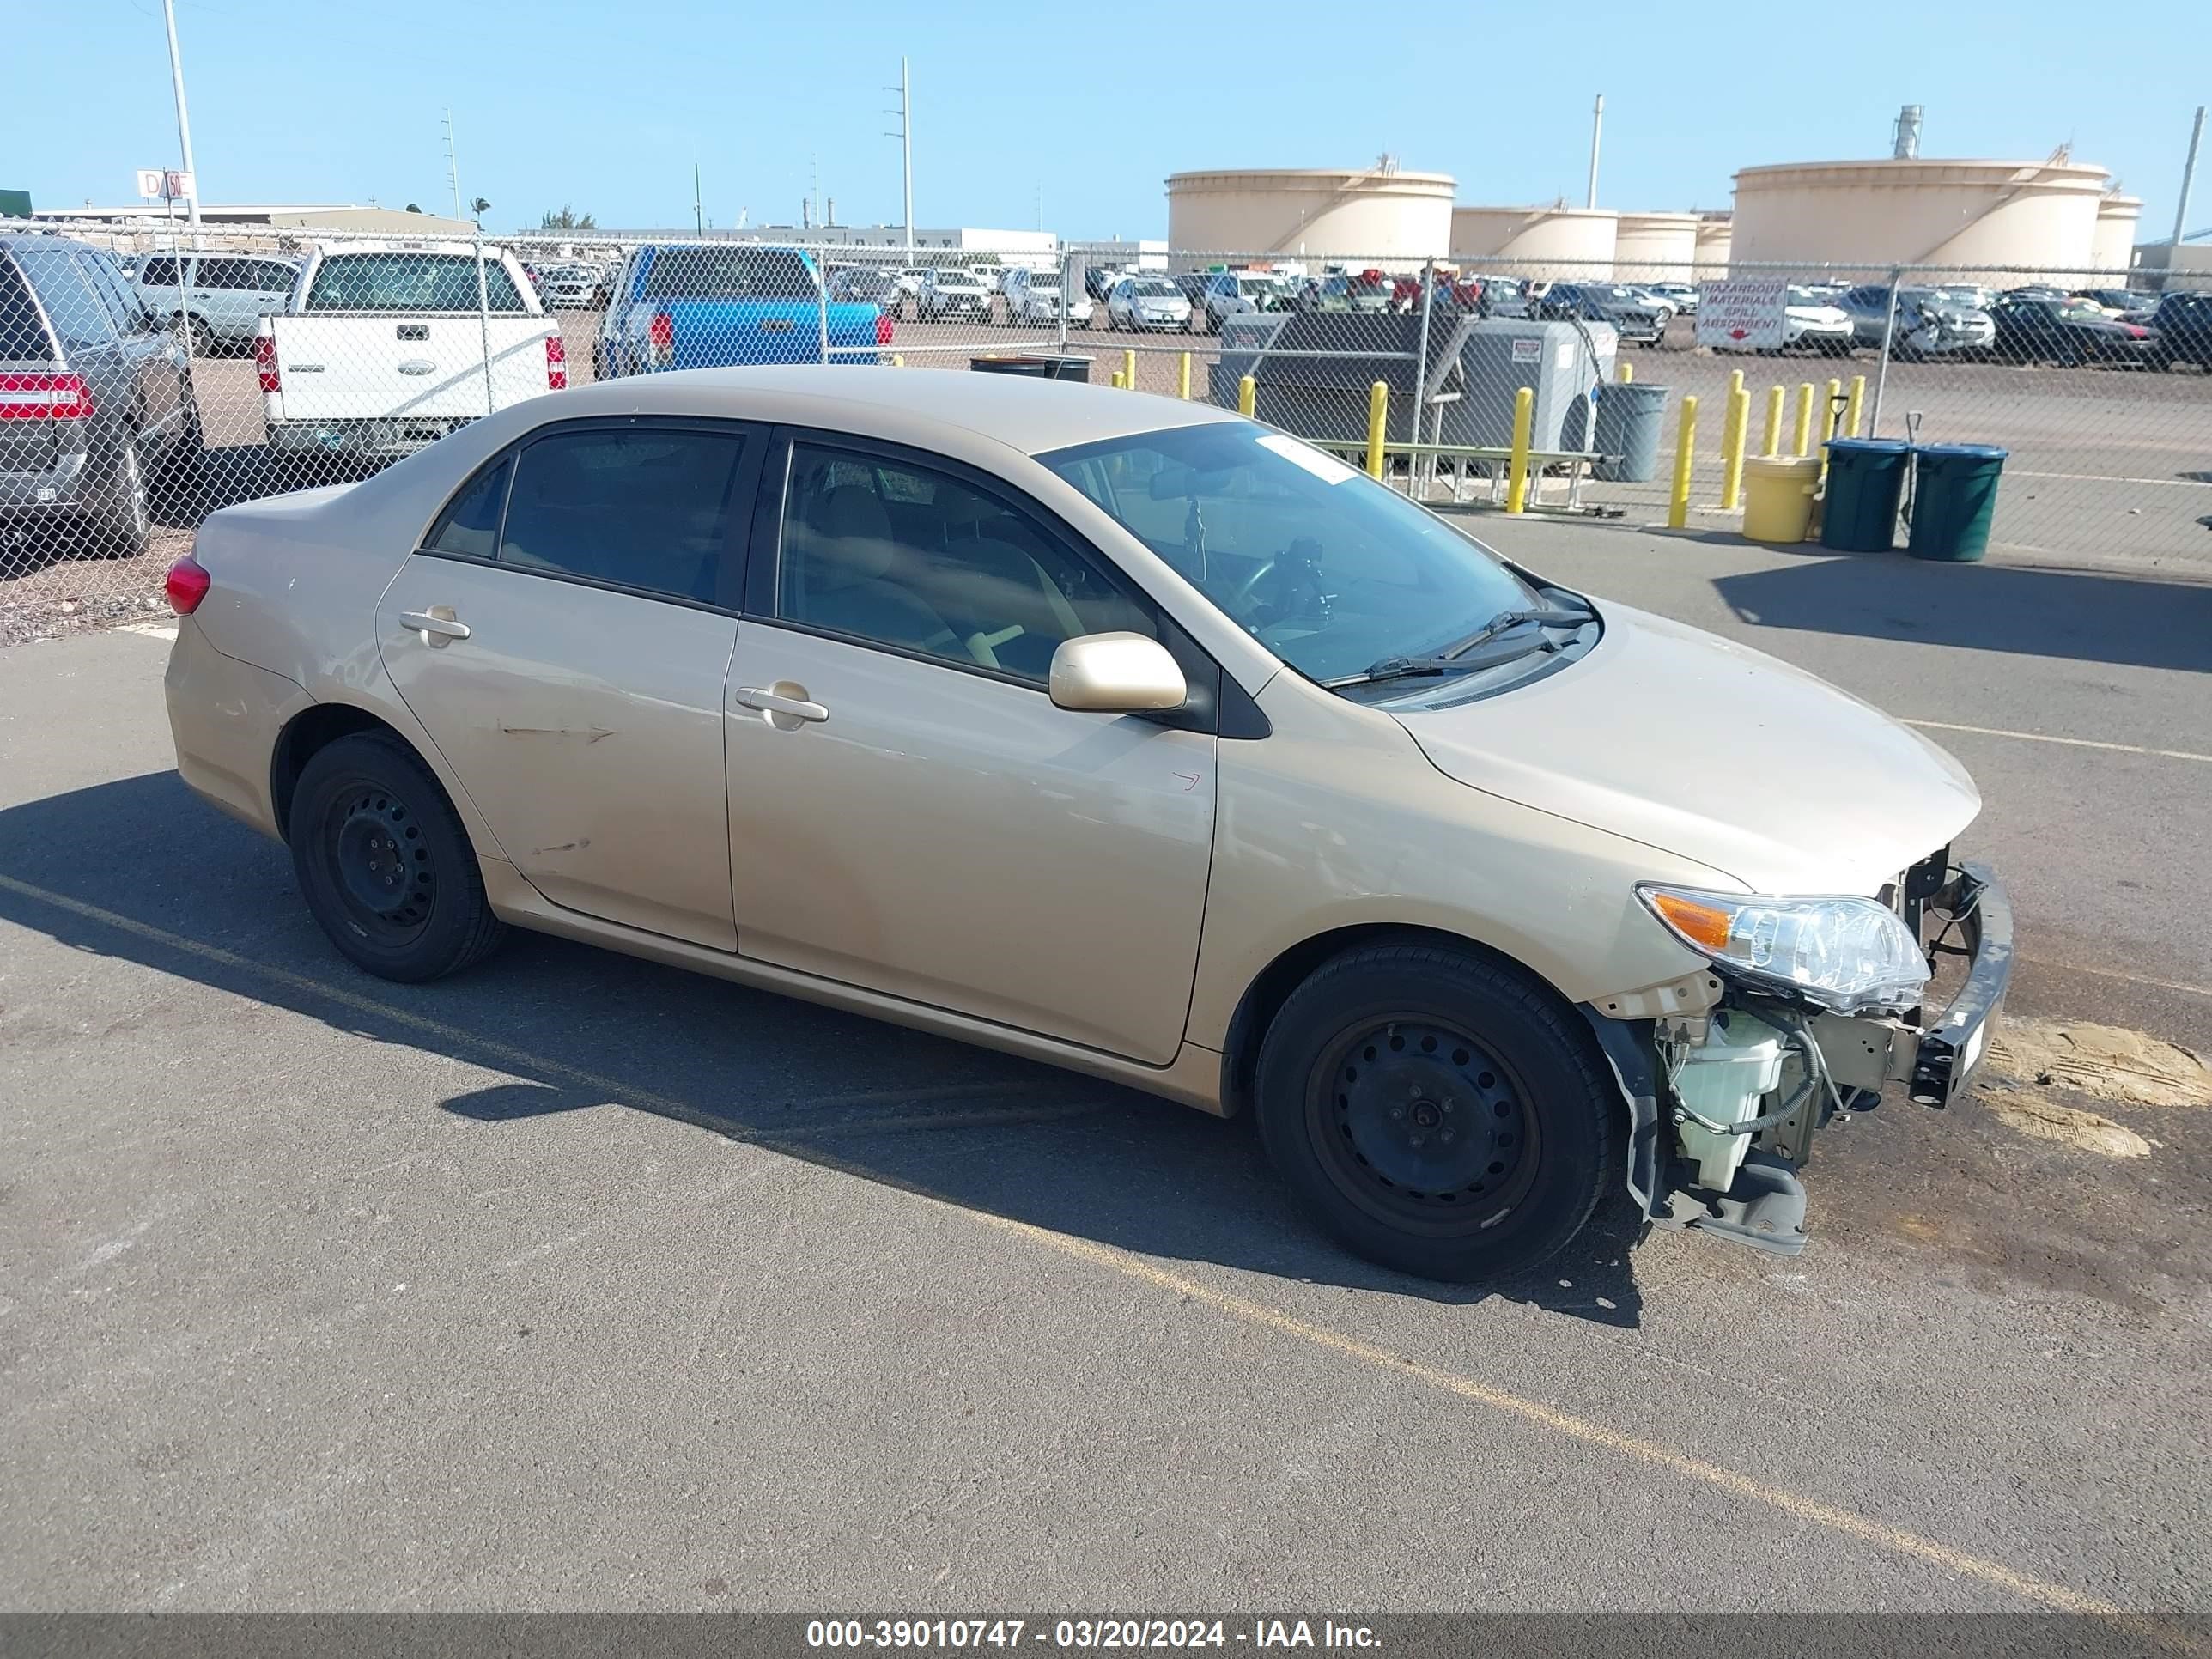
x=723, y=305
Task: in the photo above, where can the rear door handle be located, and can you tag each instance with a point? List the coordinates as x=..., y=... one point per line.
x=437, y=625
x=771, y=702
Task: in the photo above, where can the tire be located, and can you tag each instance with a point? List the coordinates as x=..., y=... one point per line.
x=124, y=513
x=184, y=464
x=1481, y=1055
x=386, y=868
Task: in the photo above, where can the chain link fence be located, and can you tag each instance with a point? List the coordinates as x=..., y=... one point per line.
x=150, y=375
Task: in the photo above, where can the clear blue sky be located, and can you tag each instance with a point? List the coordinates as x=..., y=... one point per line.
x=604, y=106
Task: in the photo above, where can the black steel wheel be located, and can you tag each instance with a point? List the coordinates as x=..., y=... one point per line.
x=384, y=864
x=1440, y=1113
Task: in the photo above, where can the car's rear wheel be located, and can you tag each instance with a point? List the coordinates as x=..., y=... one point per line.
x=123, y=515
x=1440, y=1114
x=385, y=866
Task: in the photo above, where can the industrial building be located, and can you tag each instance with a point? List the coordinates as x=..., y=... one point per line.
x=1378, y=212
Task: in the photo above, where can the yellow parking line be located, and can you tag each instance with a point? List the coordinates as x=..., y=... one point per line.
x=1811, y=1510
x=522, y=1061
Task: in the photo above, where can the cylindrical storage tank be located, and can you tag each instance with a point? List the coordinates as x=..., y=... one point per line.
x=1654, y=247
x=1550, y=244
x=2037, y=215
x=2112, y=249
x=1314, y=212
x=1715, y=232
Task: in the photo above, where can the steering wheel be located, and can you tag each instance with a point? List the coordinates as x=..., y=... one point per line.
x=1240, y=595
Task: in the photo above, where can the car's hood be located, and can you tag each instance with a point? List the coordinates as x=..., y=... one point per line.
x=1831, y=316
x=1673, y=737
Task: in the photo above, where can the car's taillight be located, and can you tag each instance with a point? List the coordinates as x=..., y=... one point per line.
x=556, y=363
x=265, y=361
x=663, y=336
x=883, y=328
x=44, y=398
x=187, y=585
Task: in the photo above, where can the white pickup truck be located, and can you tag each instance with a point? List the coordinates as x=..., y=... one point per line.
x=385, y=346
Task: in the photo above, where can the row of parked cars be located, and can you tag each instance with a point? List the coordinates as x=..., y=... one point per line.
x=2033, y=324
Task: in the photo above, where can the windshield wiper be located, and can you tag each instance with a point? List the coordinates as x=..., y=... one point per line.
x=1548, y=616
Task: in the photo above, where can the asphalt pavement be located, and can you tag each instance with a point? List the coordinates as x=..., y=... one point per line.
x=577, y=1283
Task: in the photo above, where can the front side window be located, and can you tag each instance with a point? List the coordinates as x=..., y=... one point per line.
x=1325, y=567
x=912, y=557
x=641, y=508
x=160, y=270
x=410, y=282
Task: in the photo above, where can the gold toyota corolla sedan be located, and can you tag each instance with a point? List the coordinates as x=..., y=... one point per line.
x=1123, y=734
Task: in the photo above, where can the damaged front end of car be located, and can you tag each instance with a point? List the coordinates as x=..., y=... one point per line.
x=1809, y=1008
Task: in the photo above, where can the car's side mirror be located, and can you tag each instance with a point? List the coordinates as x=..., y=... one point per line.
x=1116, y=674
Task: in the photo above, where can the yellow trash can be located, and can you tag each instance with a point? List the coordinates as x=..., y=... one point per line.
x=1777, y=504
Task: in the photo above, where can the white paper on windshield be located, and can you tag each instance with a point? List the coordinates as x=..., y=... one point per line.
x=1326, y=468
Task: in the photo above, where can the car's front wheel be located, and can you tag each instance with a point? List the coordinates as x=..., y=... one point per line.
x=386, y=868
x=1440, y=1114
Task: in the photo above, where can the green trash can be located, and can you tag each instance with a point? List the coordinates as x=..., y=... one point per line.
x=1866, y=479
x=1955, y=495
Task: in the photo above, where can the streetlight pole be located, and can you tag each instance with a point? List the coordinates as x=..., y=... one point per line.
x=1598, y=132
x=184, y=119
x=905, y=136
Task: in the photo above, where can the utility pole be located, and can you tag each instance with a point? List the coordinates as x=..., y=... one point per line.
x=2180, y=208
x=185, y=120
x=1598, y=132
x=905, y=136
x=698, y=214
x=453, y=165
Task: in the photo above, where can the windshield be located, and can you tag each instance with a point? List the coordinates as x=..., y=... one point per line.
x=1316, y=561
x=2074, y=311
x=1155, y=289
x=958, y=279
x=1252, y=286
x=1807, y=297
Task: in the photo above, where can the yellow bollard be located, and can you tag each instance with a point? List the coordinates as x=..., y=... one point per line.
x=897, y=362
x=1686, y=449
x=1118, y=381
x=1732, y=432
x=1378, y=418
x=1854, y=409
x=1183, y=379
x=1774, y=400
x=1129, y=370
x=1517, y=472
x=1804, y=420
x=1627, y=371
x=1247, y=393
x=1732, y=417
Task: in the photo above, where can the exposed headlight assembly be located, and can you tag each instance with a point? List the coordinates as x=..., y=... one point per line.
x=1847, y=955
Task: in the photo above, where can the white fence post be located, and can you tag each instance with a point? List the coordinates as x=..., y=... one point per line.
x=483, y=323
x=1889, y=338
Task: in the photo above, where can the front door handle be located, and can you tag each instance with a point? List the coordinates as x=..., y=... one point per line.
x=437, y=625
x=774, y=703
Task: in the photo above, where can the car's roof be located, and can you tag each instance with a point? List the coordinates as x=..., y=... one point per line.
x=1026, y=413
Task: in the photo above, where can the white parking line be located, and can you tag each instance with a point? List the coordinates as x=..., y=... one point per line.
x=151, y=630
x=2071, y=743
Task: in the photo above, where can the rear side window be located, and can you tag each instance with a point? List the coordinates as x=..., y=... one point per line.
x=470, y=525
x=22, y=337
x=160, y=270
x=409, y=281
x=273, y=278
x=77, y=314
x=729, y=273
x=647, y=509
x=115, y=287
